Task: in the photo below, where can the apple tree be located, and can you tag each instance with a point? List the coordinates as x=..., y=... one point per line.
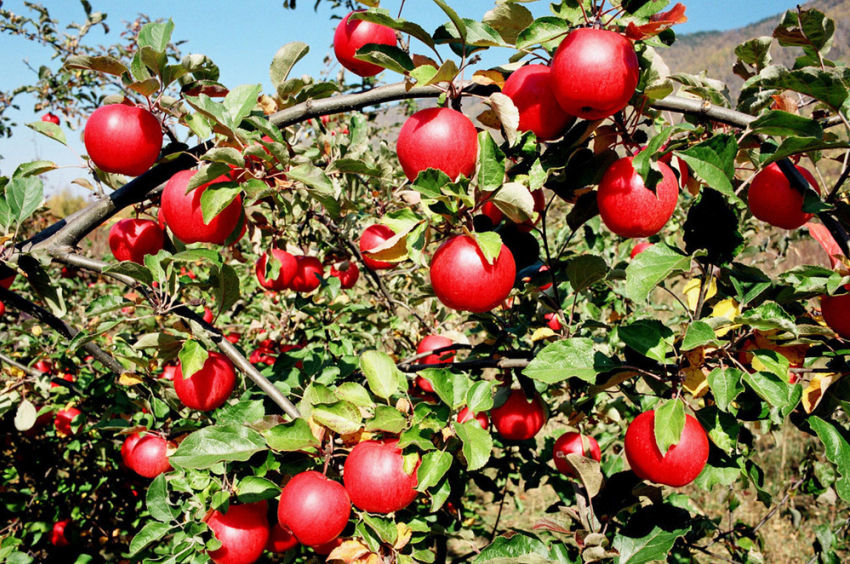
x=344, y=321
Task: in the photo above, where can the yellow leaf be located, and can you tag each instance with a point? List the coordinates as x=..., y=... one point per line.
x=692, y=290
x=542, y=333
x=489, y=119
x=813, y=395
x=404, y=534
x=36, y=330
x=696, y=381
x=728, y=308
x=317, y=430
x=488, y=77
x=355, y=438
x=349, y=551
x=129, y=379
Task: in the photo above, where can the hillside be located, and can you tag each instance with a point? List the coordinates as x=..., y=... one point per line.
x=715, y=51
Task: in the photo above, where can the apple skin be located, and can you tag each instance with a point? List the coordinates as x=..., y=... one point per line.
x=836, y=313
x=773, y=200
x=639, y=248
x=182, y=212
x=348, y=277
x=328, y=547
x=243, y=532
x=375, y=479
x=490, y=210
x=132, y=239
x=208, y=315
x=628, y=208
x=130, y=442
x=2, y=308
x=439, y=138
x=149, y=457
x=288, y=268
x=465, y=415
x=7, y=282
x=315, y=508
x=462, y=279
x=306, y=279
x=168, y=371
x=52, y=118
x=352, y=35
x=539, y=112
x=280, y=540
x=433, y=342
x=518, y=419
x=552, y=321
x=682, y=463
x=209, y=387
x=594, y=73
x=57, y=533
x=123, y=139
x=373, y=236
x=233, y=337
x=63, y=420
x=571, y=443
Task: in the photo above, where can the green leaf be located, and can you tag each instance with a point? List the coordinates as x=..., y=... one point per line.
x=515, y=201
x=341, y=417
x=656, y=264
x=193, y=356
x=791, y=146
x=218, y=443
x=34, y=168
x=382, y=17
x=321, y=187
x=490, y=244
x=387, y=419
x=583, y=271
x=156, y=500
x=542, y=30
x=517, y=548
x=242, y=412
x=381, y=373
x=725, y=385
x=252, y=489
x=477, y=443
x=669, y=423
x=491, y=172
x=722, y=427
x=777, y=122
x=460, y=26
x=767, y=317
x=47, y=289
x=25, y=416
x=771, y=388
x=286, y=58
x=713, y=163
x=712, y=226
x=388, y=57
x=105, y=304
x=479, y=397
x=225, y=282
x=354, y=393
x=698, y=334
x=649, y=337
x=150, y=533
x=432, y=469
x=292, y=436
x=24, y=196
x=385, y=528
x=240, y=101
x=837, y=452
x=106, y=65
x=156, y=35
x=509, y=20
x=651, y=534
x=566, y=359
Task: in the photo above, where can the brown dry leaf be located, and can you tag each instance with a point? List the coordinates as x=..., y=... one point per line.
x=604, y=138
x=489, y=119
x=508, y=114
x=268, y=104
x=785, y=103
x=404, y=534
x=488, y=77
x=403, y=405
x=419, y=60
x=129, y=379
x=318, y=430
x=813, y=395
x=371, y=559
x=349, y=551
x=657, y=23
x=692, y=290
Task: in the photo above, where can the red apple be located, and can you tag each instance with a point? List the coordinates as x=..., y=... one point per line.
x=465, y=415
x=185, y=272
x=208, y=315
x=233, y=337
x=314, y=508
x=130, y=442
x=495, y=214
x=547, y=285
x=439, y=138
x=280, y=540
x=463, y=280
x=433, y=342
x=594, y=73
x=7, y=282
x=262, y=356
x=307, y=274
x=132, y=239
x=374, y=236
x=639, y=248
x=285, y=273
x=348, y=274
x=375, y=479
x=209, y=387
x=168, y=371
x=57, y=533
x=424, y=384
x=836, y=313
x=539, y=112
x=553, y=321
x=2, y=308
x=52, y=118
x=243, y=532
x=328, y=547
x=67, y=377
x=628, y=207
x=149, y=456
x=773, y=200
x=63, y=420
x=43, y=366
x=682, y=463
x=123, y=139
x=519, y=419
x=354, y=34
x=574, y=443
x=182, y=212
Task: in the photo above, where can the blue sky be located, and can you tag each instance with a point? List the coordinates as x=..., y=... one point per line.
x=243, y=36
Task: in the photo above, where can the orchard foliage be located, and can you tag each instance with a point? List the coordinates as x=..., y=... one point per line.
x=137, y=430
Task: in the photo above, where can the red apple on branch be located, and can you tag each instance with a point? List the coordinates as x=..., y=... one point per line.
x=280, y=540
x=574, y=443
x=683, y=462
x=285, y=273
x=347, y=272
x=773, y=200
x=57, y=533
x=639, y=248
x=63, y=420
x=836, y=313
x=440, y=138
x=243, y=532
x=148, y=456
x=375, y=479
x=351, y=35
x=123, y=139
x=375, y=236
x=132, y=239
x=539, y=112
x=314, y=508
x=519, y=419
x=465, y=415
x=183, y=215
x=209, y=387
x=307, y=273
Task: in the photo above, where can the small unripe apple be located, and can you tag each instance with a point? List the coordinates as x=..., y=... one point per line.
x=682, y=463
x=354, y=34
x=594, y=73
x=149, y=456
x=182, y=211
x=375, y=479
x=773, y=200
x=836, y=313
x=348, y=274
x=519, y=419
x=374, y=236
x=63, y=420
x=123, y=139
x=52, y=118
x=574, y=443
x=463, y=280
x=285, y=274
x=314, y=508
x=57, y=533
x=465, y=415
x=280, y=540
x=307, y=274
x=243, y=532
x=639, y=248
x=628, y=207
x=539, y=112
x=132, y=239
x=209, y=387
x=440, y=138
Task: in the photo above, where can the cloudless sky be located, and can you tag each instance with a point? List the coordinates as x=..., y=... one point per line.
x=242, y=37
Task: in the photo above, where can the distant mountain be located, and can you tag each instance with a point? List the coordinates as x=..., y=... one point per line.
x=714, y=51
